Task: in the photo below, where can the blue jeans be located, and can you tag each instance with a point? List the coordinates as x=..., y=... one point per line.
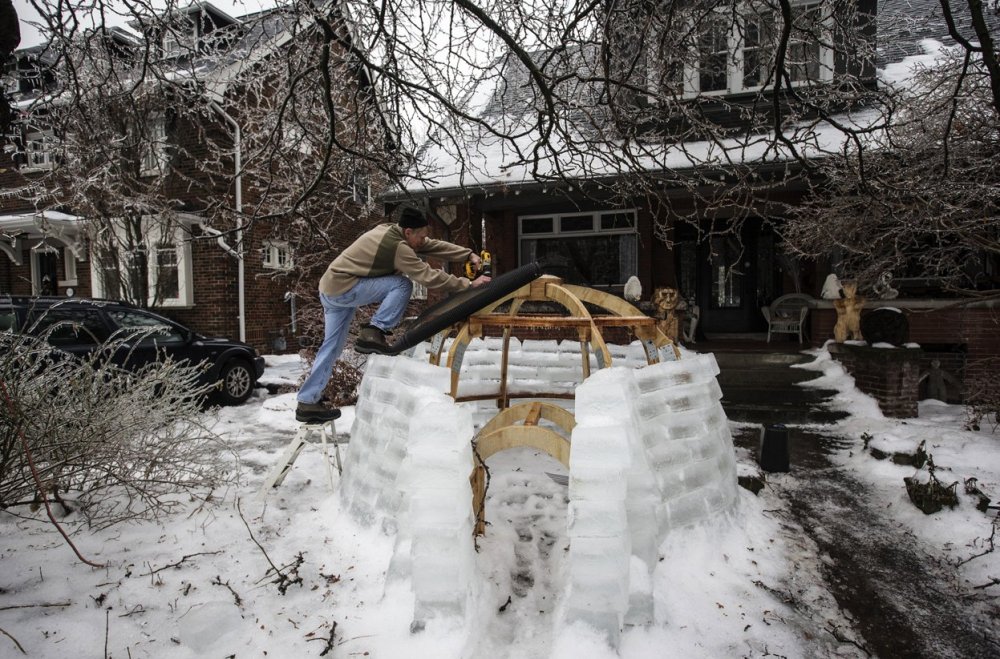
x=392, y=291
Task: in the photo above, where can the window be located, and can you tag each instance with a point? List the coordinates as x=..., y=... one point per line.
x=69, y=268
x=419, y=291
x=154, y=145
x=106, y=277
x=39, y=149
x=596, y=249
x=713, y=53
x=179, y=39
x=733, y=50
x=152, y=329
x=69, y=327
x=169, y=276
x=361, y=189
x=277, y=255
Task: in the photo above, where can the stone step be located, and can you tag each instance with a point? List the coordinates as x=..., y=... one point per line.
x=742, y=360
x=768, y=377
x=762, y=387
x=764, y=395
x=790, y=414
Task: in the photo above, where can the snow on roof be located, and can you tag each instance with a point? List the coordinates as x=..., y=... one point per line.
x=911, y=33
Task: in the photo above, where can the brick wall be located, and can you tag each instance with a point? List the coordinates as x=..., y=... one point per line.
x=964, y=338
x=890, y=375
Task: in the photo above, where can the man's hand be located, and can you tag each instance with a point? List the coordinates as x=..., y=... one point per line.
x=480, y=281
x=476, y=262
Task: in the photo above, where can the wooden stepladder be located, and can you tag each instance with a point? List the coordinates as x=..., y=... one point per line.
x=327, y=434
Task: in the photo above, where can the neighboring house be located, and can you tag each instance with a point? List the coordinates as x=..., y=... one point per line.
x=206, y=264
x=580, y=212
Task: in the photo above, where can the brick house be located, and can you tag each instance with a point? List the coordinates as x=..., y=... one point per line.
x=209, y=262
x=581, y=215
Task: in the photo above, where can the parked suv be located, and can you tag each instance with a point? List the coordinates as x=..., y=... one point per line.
x=79, y=326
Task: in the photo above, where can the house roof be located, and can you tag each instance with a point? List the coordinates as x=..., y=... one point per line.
x=507, y=103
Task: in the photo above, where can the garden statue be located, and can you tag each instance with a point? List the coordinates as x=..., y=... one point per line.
x=848, y=314
x=667, y=306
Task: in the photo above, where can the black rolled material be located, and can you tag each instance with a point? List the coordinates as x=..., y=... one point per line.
x=463, y=304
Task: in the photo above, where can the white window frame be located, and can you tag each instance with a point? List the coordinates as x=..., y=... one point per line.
x=153, y=154
x=419, y=291
x=69, y=268
x=172, y=40
x=735, y=65
x=361, y=187
x=42, y=247
x=154, y=237
x=39, y=149
x=273, y=259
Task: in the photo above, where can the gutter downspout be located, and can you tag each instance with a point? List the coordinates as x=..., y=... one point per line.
x=239, y=251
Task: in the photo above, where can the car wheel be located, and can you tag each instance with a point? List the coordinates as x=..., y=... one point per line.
x=236, y=382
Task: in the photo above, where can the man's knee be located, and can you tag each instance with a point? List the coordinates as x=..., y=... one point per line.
x=405, y=285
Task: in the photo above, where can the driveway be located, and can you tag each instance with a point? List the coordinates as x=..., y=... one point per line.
x=905, y=601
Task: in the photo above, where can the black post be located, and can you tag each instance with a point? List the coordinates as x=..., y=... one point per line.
x=774, y=448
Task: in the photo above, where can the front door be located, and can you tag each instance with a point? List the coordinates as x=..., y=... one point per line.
x=733, y=276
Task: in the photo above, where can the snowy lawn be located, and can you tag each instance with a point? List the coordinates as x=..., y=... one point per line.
x=292, y=575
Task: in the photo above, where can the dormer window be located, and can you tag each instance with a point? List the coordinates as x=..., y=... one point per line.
x=179, y=39
x=733, y=51
x=39, y=149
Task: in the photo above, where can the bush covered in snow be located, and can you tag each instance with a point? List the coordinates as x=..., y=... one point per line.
x=108, y=443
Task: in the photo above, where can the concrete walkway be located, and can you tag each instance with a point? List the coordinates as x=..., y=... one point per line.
x=904, y=602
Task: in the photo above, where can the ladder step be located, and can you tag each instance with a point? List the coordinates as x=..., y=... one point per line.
x=327, y=435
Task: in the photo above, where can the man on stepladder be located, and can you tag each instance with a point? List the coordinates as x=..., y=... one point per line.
x=377, y=268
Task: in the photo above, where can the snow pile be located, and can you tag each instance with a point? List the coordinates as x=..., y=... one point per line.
x=651, y=453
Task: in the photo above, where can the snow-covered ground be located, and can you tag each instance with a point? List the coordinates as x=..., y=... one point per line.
x=201, y=583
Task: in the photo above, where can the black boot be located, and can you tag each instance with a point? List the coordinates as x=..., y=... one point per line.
x=371, y=340
x=315, y=413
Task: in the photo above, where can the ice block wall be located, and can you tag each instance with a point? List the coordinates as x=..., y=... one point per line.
x=407, y=469
x=651, y=454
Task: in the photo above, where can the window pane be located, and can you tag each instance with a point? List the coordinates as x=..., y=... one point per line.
x=156, y=330
x=77, y=327
x=617, y=221
x=536, y=225
x=586, y=260
x=758, y=42
x=576, y=223
x=713, y=49
x=727, y=275
x=107, y=271
x=168, y=285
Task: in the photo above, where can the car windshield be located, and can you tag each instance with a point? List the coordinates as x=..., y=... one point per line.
x=155, y=330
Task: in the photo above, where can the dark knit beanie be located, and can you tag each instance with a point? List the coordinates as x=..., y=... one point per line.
x=411, y=218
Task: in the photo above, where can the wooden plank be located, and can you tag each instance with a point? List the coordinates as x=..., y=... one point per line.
x=534, y=413
x=536, y=437
x=496, y=320
x=516, y=413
